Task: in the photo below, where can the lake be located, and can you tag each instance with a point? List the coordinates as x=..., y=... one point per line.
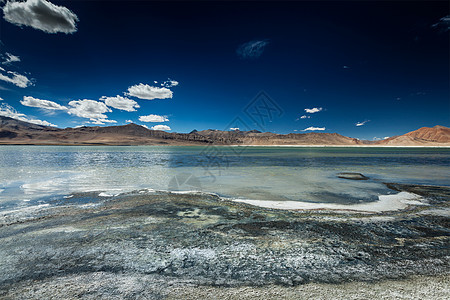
x=32, y=175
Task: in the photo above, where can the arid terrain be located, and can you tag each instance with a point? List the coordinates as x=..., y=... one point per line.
x=424, y=136
x=163, y=245
x=15, y=132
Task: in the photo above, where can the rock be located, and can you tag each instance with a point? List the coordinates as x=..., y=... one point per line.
x=352, y=176
x=140, y=244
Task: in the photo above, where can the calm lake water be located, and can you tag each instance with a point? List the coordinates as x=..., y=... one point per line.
x=39, y=174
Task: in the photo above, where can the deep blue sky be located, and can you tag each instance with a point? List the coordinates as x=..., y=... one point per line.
x=381, y=62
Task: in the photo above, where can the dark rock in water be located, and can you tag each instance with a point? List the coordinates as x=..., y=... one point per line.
x=352, y=176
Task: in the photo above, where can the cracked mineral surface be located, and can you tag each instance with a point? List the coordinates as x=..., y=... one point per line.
x=155, y=245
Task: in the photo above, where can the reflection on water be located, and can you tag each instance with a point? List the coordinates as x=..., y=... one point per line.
x=263, y=173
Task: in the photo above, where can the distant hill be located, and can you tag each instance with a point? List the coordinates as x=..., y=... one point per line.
x=18, y=132
x=425, y=136
x=22, y=133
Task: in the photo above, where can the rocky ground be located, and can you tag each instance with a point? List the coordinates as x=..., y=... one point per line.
x=157, y=245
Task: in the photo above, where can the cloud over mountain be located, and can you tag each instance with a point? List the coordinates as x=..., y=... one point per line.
x=39, y=103
x=119, y=102
x=42, y=15
x=90, y=109
x=161, y=127
x=153, y=118
x=147, y=92
x=7, y=110
x=314, y=128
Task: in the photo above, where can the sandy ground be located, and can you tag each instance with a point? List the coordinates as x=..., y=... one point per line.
x=93, y=285
x=415, y=288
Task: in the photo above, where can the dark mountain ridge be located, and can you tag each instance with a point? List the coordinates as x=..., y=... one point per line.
x=14, y=131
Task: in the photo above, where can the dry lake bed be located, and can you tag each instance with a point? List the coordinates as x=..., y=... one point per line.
x=161, y=245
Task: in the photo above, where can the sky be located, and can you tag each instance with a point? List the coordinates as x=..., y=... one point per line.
x=363, y=69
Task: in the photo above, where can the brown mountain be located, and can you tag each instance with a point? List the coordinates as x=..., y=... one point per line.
x=18, y=132
x=425, y=136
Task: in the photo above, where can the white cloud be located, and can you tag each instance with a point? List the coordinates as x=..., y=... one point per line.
x=90, y=109
x=46, y=104
x=305, y=117
x=145, y=91
x=128, y=121
x=1, y=99
x=234, y=129
x=443, y=24
x=40, y=14
x=41, y=122
x=145, y=126
x=9, y=111
x=169, y=83
x=15, y=78
x=252, y=49
x=11, y=58
x=313, y=128
x=313, y=110
x=102, y=121
x=121, y=103
x=153, y=118
x=379, y=139
x=362, y=123
x=161, y=127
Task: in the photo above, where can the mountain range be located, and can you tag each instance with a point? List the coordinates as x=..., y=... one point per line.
x=16, y=132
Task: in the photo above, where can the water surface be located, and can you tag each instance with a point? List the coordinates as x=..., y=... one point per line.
x=31, y=174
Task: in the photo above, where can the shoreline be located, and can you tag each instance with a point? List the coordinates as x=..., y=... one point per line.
x=153, y=244
x=342, y=146
x=385, y=203
x=221, y=145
